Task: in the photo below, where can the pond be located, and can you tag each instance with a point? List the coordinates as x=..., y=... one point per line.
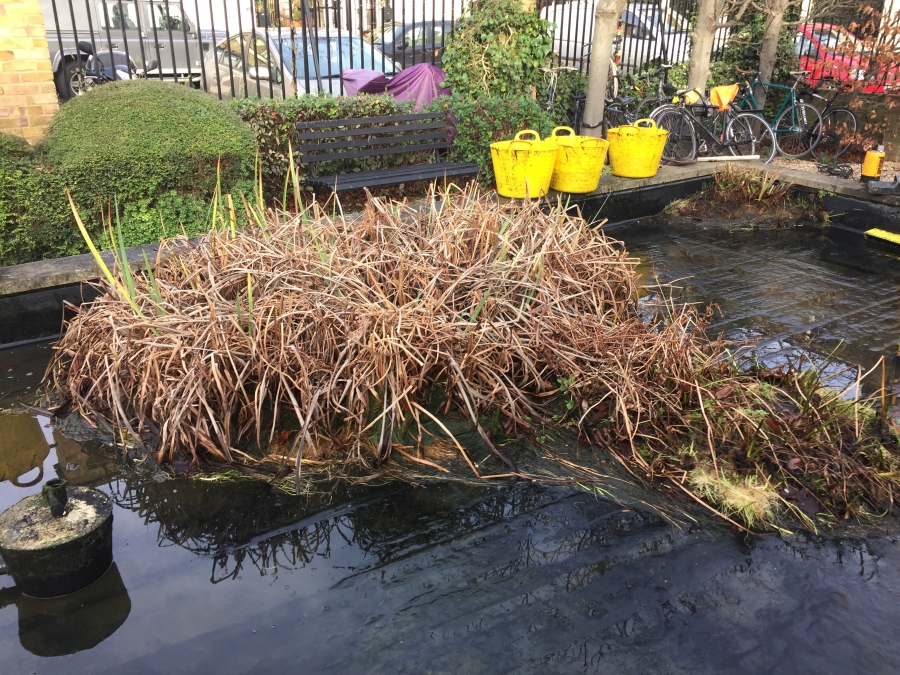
x=232, y=577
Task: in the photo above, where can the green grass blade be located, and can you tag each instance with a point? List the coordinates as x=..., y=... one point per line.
x=102, y=264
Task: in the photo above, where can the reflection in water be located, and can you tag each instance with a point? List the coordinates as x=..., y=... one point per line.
x=796, y=293
x=23, y=448
x=245, y=523
x=72, y=623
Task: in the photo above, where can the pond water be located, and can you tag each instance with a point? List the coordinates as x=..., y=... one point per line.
x=231, y=577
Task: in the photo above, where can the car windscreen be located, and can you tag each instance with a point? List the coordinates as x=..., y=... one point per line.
x=833, y=39
x=335, y=54
x=674, y=21
x=387, y=34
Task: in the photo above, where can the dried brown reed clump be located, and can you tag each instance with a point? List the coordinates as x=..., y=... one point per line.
x=360, y=335
x=351, y=326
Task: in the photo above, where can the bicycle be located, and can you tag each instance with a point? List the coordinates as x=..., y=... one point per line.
x=798, y=125
x=838, y=129
x=621, y=110
x=728, y=130
x=578, y=101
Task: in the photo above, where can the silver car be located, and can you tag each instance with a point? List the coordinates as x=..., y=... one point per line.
x=279, y=63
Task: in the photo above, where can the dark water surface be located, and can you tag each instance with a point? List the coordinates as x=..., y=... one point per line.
x=231, y=577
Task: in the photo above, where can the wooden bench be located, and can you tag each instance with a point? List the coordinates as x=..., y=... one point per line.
x=352, y=139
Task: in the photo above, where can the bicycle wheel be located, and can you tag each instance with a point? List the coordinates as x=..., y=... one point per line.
x=838, y=130
x=797, y=130
x=682, y=140
x=749, y=134
x=612, y=82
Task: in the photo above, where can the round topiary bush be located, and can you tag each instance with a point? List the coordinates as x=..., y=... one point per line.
x=152, y=146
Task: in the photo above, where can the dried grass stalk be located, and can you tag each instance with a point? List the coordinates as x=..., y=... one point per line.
x=350, y=324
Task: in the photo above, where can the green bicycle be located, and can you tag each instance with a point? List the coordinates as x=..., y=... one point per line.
x=797, y=125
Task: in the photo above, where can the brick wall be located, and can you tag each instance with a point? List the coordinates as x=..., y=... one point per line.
x=27, y=93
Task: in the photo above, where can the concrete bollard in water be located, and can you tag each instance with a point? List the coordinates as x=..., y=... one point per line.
x=59, y=541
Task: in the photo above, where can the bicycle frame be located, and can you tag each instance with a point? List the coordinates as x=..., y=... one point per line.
x=702, y=129
x=790, y=100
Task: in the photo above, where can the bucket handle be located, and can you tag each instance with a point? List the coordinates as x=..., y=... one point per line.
x=630, y=129
x=536, y=135
x=557, y=129
x=40, y=477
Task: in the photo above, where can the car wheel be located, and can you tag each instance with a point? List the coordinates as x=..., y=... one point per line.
x=72, y=81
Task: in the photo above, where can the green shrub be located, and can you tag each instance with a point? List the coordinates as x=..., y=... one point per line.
x=272, y=121
x=152, y=146
x=34, y=210
x=478, y=123
x=497, y=49
x=14, y=148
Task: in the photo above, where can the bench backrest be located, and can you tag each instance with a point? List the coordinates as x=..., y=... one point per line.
x=330, y=140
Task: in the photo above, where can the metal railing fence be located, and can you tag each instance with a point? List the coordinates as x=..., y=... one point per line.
x=283, y=48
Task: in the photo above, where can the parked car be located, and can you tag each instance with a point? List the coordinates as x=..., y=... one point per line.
x=832, y=52
x=278, y=63
x=412, y=43
x=649, y=32
x=140, y=30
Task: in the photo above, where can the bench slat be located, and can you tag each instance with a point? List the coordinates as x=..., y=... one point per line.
x=369, y=131
x=415, y=139
x=422, y=147
x=368, y=120
x=407, y=174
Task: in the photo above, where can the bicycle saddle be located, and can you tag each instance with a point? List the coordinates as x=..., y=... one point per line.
x=800, y=73
x=625, y=100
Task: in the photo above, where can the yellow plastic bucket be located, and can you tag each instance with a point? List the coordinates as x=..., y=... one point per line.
x=524, y=167
x=579, y=162
x=636, y=150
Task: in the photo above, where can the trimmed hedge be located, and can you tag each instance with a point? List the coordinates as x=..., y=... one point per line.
x=34, y=211
x=272, y=121
x=481, y=122
x=135, y=140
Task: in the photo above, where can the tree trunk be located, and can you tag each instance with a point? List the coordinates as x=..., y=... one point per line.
x=605, y=18
x=768, y=52
x=702, y=38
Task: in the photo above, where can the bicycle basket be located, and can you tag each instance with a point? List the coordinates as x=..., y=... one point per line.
x=721, y=97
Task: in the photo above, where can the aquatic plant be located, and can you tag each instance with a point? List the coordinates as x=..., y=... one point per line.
x=754, y=503
x=752, y=196
x=316, y=338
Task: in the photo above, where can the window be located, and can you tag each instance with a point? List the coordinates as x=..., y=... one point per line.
x=833, y=39
x=334, y=54
x=415, y=37
x=117, y=15
x=387, y=34
x=258, y=56
x=229, y=53
x=806, y=47
x=168, y=17
x=438, y=36
x=635, y=30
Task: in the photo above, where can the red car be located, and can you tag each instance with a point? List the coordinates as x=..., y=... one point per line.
x=832, y=52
